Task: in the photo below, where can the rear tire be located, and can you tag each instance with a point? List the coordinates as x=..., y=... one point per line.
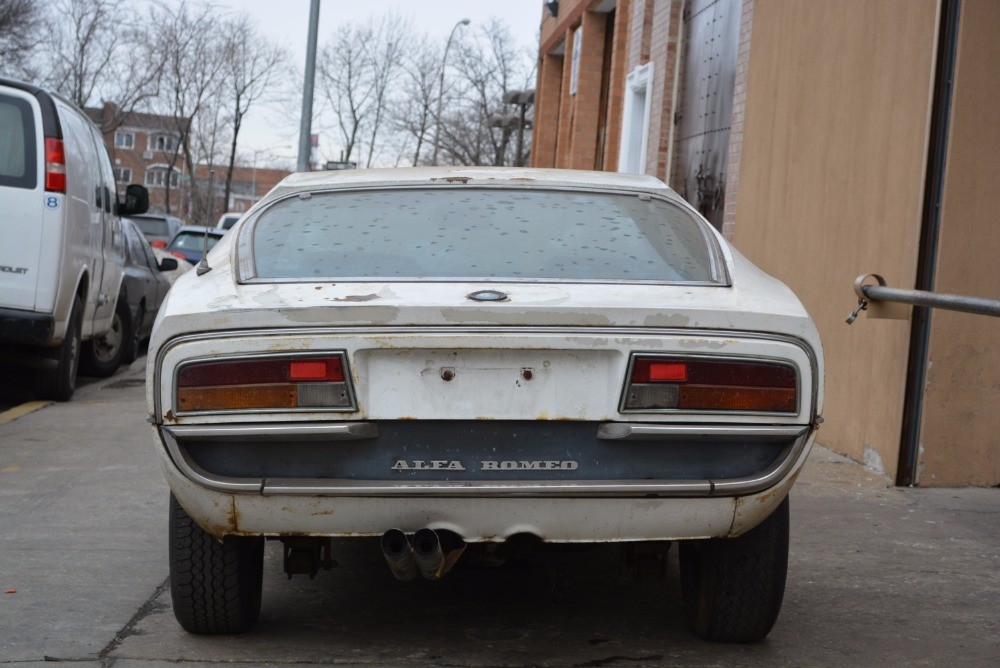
x=135, y=341
x=60, y=383
x=733, y=587
x=102, y=355
x=215, y=586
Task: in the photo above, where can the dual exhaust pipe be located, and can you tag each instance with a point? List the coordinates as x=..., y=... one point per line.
x=425, y=554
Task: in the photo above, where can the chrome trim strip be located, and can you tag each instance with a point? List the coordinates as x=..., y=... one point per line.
x=343, y=431
x=201, y=477
x=610, y=488
x=444, y=329
x=629, y=431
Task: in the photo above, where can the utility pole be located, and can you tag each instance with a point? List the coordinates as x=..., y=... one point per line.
x=305, y=124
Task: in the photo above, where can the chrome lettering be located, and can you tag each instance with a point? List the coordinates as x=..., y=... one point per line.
x=432, y=465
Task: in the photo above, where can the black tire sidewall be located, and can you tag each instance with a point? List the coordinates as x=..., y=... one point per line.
x=732, y=588
x=60, y=383
x=98, y=367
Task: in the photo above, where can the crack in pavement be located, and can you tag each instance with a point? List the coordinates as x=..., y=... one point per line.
x=104, y=655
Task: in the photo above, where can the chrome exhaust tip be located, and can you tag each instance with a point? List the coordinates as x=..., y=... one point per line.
x=434, y=559
x=428, y=554
x=399, y=554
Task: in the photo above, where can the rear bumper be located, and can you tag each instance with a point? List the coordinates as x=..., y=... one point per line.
x=26, y=327
x=481, y=510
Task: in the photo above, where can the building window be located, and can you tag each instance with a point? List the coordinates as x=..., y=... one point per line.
x=162, y=142
x=574, y=73
x=124, y=139
x=156, y=177
x=635, y=120
x=123, y=175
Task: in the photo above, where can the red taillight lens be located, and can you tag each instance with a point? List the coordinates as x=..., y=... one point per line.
x=697, y=384
x=55, y=166
x=655, y=371
x=158, y=244
x=281, y=382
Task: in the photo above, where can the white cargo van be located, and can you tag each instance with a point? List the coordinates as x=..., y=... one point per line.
x=61, y=241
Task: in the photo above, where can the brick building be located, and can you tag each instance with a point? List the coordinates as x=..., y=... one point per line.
x=248, y=186
x=827, y=140
x=145, y=149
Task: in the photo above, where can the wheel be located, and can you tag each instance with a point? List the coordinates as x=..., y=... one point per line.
x=102, y=355
x=59, y=383
x=733, y=587
x=215, y=586
x=135, y=342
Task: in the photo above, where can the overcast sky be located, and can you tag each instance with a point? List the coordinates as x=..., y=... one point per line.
x=286, y=22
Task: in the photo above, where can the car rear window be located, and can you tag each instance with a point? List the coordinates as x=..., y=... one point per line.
x=482, y=234
x=152, y=227
x=18, y=168
x=193, y=241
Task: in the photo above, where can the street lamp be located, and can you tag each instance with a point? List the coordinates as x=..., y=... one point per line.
x=444, y=63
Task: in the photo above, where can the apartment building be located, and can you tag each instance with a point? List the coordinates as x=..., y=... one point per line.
x=145, y=149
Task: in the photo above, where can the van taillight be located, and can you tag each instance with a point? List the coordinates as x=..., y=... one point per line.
x=55, y=166
x=299, y=381
x=666, y=383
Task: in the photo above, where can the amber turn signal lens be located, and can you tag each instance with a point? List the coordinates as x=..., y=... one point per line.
x=234, y=397
x=700, y=397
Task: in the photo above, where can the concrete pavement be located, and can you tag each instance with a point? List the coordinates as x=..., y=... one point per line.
x=877, y=576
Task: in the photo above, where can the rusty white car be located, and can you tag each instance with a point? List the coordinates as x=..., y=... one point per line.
x=451, y=358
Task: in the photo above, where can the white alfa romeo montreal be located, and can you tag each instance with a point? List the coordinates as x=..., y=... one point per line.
x=452, y=358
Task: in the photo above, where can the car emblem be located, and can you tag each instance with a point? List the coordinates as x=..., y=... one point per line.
x=487, y=296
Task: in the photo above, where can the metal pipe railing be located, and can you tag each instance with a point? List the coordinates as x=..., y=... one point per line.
x=881, y=293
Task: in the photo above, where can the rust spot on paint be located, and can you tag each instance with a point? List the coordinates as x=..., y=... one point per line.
x=169, y=417
x=234, y=515
x=454, y=179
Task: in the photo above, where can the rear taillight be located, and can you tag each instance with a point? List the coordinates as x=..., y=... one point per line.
x=666, y=383
x=300, y=381
x=55, y=166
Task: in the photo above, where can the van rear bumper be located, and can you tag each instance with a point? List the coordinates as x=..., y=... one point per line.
x=26, y=327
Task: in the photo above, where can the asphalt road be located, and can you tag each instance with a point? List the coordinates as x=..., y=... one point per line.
x=877, y=576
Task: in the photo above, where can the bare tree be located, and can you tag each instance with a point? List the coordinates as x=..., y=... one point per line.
x=209, y=141
x=413, y=111
x=251, y=64
x=357, y=70
x=193, y=60
x=21, y=30
x=487, y=67
x=91, y=56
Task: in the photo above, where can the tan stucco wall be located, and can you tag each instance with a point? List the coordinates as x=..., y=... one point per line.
x=960, y=438
x=831, y=180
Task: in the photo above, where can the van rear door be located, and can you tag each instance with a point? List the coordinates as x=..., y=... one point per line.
x=22, y=193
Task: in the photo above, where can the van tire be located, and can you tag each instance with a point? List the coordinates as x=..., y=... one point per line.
x=59, y=383
x=102, y=355
x=215, y=586
x=732, y=588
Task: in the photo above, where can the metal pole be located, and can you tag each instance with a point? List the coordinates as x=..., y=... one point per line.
x=305, y=124
x=949, y=302
x=444, y=63
x=520, y=132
